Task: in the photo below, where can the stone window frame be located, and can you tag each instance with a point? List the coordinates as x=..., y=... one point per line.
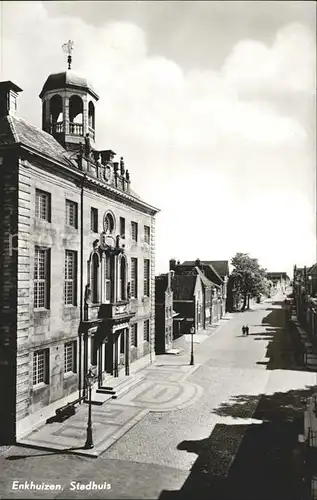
x=41, y=278
x=40, y=375
x=42, y=205
x=134, y=231
x=134, y=278
x=94, y=220
x=70, y=357
x=71, y=213
x=146, y=277
x=70, y=278
x=147, y=235
x=146, y=330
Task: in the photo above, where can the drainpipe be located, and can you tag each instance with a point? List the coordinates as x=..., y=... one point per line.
x=80, y=376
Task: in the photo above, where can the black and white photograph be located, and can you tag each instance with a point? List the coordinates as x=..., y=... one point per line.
x=158, y=250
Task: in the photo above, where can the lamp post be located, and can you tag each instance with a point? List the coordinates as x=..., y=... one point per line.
x=192, y=331
x=90, y=377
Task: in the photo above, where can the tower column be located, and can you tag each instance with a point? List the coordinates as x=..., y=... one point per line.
x=85, y=115
x=66, y=113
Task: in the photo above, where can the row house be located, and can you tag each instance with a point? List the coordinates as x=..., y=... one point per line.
x=305, y=301
x=185, y=297
x=214, y=285
x=77, y=257
x=280, y=280
x=305, y=298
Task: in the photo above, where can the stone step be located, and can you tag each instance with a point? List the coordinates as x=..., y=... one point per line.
x=119, y=387
x=97, y=398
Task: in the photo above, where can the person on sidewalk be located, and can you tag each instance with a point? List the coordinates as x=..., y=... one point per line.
x=247, y=330
x=243, y=330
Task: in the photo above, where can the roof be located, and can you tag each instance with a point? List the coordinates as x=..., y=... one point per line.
x=276, y=274
x=312, y=270
x=183, y=286
x=67, y=79
x=220, y=266
x=8, y=85
x=208, y=269
x=206, y=282
x=15, y=130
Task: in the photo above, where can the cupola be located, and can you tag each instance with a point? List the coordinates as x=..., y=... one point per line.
x=68, y=106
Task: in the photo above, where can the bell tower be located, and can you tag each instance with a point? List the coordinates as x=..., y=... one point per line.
x=68, y=106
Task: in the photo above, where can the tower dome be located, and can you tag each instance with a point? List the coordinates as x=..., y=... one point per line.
x=67, y=79
x=68, y=106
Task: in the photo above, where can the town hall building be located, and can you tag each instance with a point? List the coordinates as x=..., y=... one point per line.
x=77, y=257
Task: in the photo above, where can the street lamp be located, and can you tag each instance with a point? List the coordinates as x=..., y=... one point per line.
x=192, y=331
x=90, y=378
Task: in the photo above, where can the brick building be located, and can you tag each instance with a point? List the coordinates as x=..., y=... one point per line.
x=77, y=257
x=188, y=303
x=164, y=313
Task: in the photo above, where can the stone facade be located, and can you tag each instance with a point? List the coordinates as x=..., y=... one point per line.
x=69, y=328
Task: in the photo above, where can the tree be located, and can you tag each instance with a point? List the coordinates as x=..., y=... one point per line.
x=249, y=278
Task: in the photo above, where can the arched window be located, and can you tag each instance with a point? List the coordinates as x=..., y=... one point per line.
x=122, y=279
x=94, y=278
x=76, y=108
x=56, y=114
x=108, y=223
x=91, y=115
x=108, y=276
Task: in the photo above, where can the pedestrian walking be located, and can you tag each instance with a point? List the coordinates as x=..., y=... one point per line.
x=243, y=330
x=247, y=330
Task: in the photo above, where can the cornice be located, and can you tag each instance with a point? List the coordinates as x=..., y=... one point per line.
x=90, y=182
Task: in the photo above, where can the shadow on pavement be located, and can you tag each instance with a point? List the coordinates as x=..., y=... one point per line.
x=250, y=462
x=285, y=350
x=49, y=452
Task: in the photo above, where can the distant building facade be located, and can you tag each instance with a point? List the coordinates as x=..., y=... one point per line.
x=77, y=256
x=214, y=286
x=280, y=280
x=164, y=313
x=187, y=303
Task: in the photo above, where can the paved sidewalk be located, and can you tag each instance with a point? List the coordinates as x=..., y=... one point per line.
x=162, y=387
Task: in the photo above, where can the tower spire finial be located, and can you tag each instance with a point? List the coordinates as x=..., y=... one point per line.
x=68, y=48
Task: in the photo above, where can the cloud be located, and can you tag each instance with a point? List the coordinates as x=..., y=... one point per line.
x=287, y=66
x=201, y=145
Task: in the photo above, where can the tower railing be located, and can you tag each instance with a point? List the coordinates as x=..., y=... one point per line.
x=76, y=128
x=57, y=127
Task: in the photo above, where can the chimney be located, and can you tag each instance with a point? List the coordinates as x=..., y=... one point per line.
x=170, y=276
x=8, y=98
x=172, y=264
x=107, y=155
x=198, y=263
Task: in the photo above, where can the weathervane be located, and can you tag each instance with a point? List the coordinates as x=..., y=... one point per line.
x=68, y=49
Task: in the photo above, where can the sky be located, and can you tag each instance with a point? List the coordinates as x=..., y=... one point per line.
x=211, y=104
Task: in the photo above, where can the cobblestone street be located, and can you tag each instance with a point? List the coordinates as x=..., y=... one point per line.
x=187, y=443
